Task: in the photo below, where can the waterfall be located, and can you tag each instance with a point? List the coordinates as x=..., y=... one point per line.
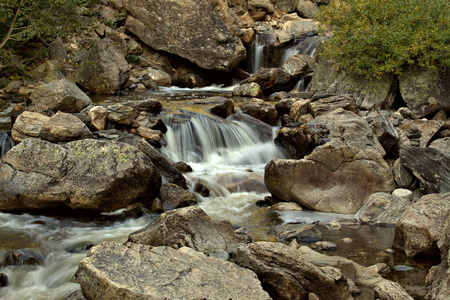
x=307, y=46
x=6, y=142
x=257, y=55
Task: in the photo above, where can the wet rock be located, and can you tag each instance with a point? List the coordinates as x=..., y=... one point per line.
x=272, y=80
x=284, y=106
x=275, y=261
x=103, y=69
x=422, y=225
x=265, y=112
x=59, y=95
x=382, y=209
x=325, y=246
x=190, y=227
x=363, y=277
x=286, y=206
x=173, y=196
x=85, y=174
x=300, y=232
x=248, y=90
x=3, y=280
x=28, y=125
x=122, y=114
x=424, y=90
x=263, y=130
x=77, y=295
x=114, y=271
x=247, y=183
x=64, y=127
x=182, y=167
x=210, y=37
x=223, y=109
x=23, y=257
x=430, y=166
x=146, y=119
x=99, y=117
x=201, y=189
x=161, y=163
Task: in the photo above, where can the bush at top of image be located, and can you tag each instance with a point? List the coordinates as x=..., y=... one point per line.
x=376, y=37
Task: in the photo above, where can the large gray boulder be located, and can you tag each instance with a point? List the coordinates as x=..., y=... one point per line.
x=422, y=225
x=368, y=94
x=287, y=275
x=190, y=227
x=132, y=271
x=438, y=278
x=425, y=91
x=85, y=174
x=103, y=69
x=200, y=31
x=59, y=95
x=64, y=127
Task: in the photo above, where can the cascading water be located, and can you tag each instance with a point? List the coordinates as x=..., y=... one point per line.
x=257, y=55
x=307, y=46
x=6, y=142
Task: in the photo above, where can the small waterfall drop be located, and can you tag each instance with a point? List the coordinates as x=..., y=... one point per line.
x=307, y=46
x=257, y=55
x=6, y=142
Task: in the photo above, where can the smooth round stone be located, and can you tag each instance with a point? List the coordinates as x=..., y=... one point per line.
x=402, y=194
x=403, y=268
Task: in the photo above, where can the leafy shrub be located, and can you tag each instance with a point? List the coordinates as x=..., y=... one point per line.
x=375, y=37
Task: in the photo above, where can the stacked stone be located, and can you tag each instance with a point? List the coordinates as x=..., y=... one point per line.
x=414, y=135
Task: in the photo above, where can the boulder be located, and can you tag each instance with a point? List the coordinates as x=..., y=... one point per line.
x=28, y=125
x=300, y=28
x=99, y=117
x=85, y=174
x=385, y=131
x=295, y=66
x=56, y=50
x=287, y=275
x=284, y=106
x=272, y=80
x=442, y=145
x=248, y=90
x=287, y=5
x=363, y=277
x=328, y=104
x=151, y=106
x=64, y=127
x=263, y=111
x=132, y=271
x=190, y=227
x=48, y=72
x=122, y=114
x=149, y=134
x=428, y=130
x=302, y=233
x=425, y=91
x=147, y=119
x=59, y=95
x=307, y=9
x=368, y=94
x=172, y=196
x=103, y=69
x=299, y=108
x=160, y=77
x=202, y=32
x=438, y=279
x=422, y=225
x=223, y=109
x=430, y=166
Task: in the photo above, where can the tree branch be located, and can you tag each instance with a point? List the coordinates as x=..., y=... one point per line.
x=11, y=28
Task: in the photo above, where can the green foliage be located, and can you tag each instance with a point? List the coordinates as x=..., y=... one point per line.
x=375, y=37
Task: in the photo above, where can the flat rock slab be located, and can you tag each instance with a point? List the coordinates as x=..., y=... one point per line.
x=115, y=271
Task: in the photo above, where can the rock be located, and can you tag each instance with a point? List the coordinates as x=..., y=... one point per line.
x=64, y=127
x=114, y=271
x=265, y=112
x=173, y=196
x=438, y=278
x=146, y=119
x=271, y=80
x=23, y=257
x=182, y=167
x=300, y=232
x=300, y=28
x=160, y=77
x=287, y=275
x=363, y=277
x=85, y=174
x=77, y=295
x=263, y=129
x=328, y=104
x=149, y=134
x=427, y=129
x=223, y=109
x=47, y=72
x=286, y=206
x=99, y=117
x=3, y=280
x=287, y=6
x=382, y=209
x=422, y=225
x=307, y=9
x=325, y=246
x=402, y=177
x=284, y=106
x=188, y=227
x=103, y=69
x=13, y=87
x=430, y=166
x=122, y=114
x=368, y=94
x=59, y=95
x=28, y=125
x=161, y=163
x=385, y=131
x=402, y=194
x=299, y=108
x=149, y=105
x=425, y=90
x=442, y=145
x=56, y=50
x=295, y=66
x=248, y=90
x=208, y=39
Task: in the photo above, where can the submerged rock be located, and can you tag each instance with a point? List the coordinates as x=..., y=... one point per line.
x=86, y=174
x=133, y=271
x=204, y=33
